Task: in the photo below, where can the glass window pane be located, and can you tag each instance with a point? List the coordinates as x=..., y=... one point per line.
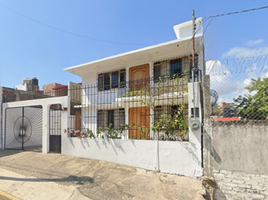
x=100, y=82
x=110, y=118
x=157, y=70
x=100, y=120
x=122, y=78
x=175, y=68
x=115, y=79
x=106, y=81
x=158, y=111
x=121, y=118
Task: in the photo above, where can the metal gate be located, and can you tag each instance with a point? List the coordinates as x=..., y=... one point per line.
x=55, y=128
x=23, y=128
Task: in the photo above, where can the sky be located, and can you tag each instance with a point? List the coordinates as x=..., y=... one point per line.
x=41, y=38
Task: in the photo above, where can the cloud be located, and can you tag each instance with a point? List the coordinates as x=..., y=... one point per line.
x=215, y=67
x=246, y=52
x=248, y=61
x=249, y=49
x=227, y=85
x=254, y=42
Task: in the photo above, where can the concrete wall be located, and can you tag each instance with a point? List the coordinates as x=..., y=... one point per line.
x=241, y=147
x=240, y=164
x=235, y=155
x=182, y=158
x=238, y=161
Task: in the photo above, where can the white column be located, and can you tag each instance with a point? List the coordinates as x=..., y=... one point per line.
x=64, y=125
x=4, y=106
x=45, y=136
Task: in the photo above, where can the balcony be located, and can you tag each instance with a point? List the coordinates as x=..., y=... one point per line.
x=166, y=91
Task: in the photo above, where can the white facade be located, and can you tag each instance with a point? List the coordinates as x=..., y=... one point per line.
x=167, y=156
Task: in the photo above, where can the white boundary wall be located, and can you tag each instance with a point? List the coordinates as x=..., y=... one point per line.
x=1, y=100
x=182, y=158
x=45, y=103
x=176, y=157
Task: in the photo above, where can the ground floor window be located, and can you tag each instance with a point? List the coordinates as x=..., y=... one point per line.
x=170, y=112
x=114, y=117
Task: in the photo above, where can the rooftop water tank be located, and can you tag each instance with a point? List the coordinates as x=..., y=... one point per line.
x=35, y=81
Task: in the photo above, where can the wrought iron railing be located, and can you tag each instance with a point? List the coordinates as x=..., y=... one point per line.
x=139, y=109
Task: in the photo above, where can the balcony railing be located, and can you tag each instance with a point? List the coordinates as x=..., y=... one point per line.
x=165, y=90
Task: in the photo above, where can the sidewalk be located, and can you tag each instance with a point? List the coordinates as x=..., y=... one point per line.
x=37, y=176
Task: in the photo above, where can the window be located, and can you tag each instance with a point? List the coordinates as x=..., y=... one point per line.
x=168, y=111
x=158, y=111
x=114, y=117
x=110, y=80
x=173, y=68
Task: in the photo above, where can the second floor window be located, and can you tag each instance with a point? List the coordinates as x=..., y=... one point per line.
x=110, y=80
x=173, y=68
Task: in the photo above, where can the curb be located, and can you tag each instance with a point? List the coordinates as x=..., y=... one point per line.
x=6, y=196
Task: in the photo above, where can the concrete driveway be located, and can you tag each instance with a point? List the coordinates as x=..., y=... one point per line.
x=33, y=175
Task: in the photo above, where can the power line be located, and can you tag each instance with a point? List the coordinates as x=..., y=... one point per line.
x=238, y=12
x=69, y=32
x=212, y=17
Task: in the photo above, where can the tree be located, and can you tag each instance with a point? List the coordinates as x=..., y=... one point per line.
x=255, y=104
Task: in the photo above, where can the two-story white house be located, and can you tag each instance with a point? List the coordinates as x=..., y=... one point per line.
x=137, y=87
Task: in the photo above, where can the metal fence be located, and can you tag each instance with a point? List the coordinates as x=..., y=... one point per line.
x=239, y=89
x=140, y=109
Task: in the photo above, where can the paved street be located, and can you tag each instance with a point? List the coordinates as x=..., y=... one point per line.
x=37, y=176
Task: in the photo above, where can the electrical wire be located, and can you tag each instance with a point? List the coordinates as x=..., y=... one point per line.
x=238, y=12
x=69, y=32
x=212, y=17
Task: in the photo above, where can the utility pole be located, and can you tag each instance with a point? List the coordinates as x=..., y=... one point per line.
x=193, y=110
x=193, y=50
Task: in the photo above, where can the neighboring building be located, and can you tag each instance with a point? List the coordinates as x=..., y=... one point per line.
x=28, y=85
x=55, y=89
x=224, y=104
x=113, y=88
x=11, y=95
x=228, y=109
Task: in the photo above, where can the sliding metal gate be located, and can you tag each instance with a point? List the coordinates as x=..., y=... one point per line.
x=23, y=128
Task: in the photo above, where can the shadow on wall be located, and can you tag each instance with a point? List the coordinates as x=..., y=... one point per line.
x=192, y=149
x=209, y=146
